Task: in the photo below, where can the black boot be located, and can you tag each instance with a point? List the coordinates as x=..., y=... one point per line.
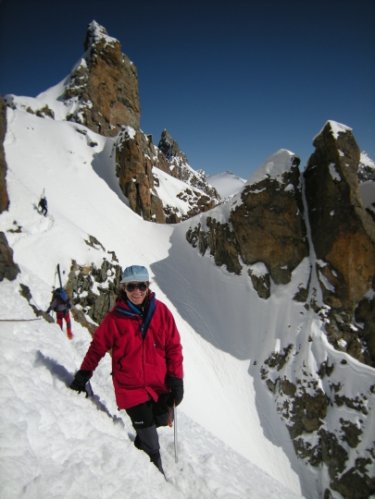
x=156, y=459
x=148, y=441
x=137, y=443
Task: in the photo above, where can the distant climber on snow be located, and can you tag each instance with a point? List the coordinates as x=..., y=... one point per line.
x=42, y=205
x=61, y=304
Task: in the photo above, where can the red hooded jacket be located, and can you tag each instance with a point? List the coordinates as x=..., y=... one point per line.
x=140, y=361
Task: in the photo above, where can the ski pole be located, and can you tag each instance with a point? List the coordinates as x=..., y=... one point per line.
x=175, y=433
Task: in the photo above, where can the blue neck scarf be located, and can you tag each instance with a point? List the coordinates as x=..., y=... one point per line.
x=134, y=311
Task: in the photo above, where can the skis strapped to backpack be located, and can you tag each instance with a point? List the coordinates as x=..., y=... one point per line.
x=59, y=275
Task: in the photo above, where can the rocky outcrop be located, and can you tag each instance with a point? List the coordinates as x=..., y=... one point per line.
x=329, y=427
x=8, y=269
x=342, y=231
x=343, y=235
x=137, y=165
x=135, y=157
x=319, y=417
x=366, y=168
x=4, y=199
x=179, y=167
x=269, y=224
x=217, y=238
x=104, y=85
x=265, y=233
x=93, y=289
x=26, y=293
x=265, y=224
x=170, y=148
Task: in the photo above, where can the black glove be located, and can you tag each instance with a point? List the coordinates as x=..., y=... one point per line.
x=80, y=379
x=176, y=386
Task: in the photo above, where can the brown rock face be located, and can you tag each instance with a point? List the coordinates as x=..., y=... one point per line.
x=178, y=168
x=4, y=200
x=219, y=240
x=269, y=225
x=169, y=147
x=106, y=85
x=342, y=230
x=134, y=169
x=136, y=158
x=86, y=281
x=8, y=269
x=365, y=314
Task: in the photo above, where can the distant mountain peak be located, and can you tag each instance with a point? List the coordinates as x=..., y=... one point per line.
x=333, y=129
x=275, y=166
x=104, y=84
x=169, y=146
x=97, y=33
x=227, y=183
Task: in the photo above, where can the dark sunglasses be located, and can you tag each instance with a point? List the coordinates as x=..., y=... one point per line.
x=131, y=286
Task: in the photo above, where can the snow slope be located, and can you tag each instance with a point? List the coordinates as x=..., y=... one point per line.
x=58, y=444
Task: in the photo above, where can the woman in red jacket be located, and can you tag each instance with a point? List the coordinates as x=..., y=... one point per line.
x=146, y=359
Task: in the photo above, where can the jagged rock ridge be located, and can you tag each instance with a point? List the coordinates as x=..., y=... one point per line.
x=343, y=235
x=140, y=166
x=266, y=235
x=8, y=269
x=101, y=93
x=4, y=199
x=264, y=225
x=104, y=85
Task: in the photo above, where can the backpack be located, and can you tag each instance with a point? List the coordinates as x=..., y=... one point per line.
x=61, y=295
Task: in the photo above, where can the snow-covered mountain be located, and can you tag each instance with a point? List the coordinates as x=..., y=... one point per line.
x=367, y=185
x=227, y=183
x=232, y=441
x=100, y=96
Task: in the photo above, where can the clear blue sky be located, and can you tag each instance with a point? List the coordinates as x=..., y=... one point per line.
x=232, y=83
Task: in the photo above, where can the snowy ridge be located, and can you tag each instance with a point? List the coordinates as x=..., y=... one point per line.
x=336, y=128
x=274, y=167
x=97, y=33
x=367, y=161
x=227, y=184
